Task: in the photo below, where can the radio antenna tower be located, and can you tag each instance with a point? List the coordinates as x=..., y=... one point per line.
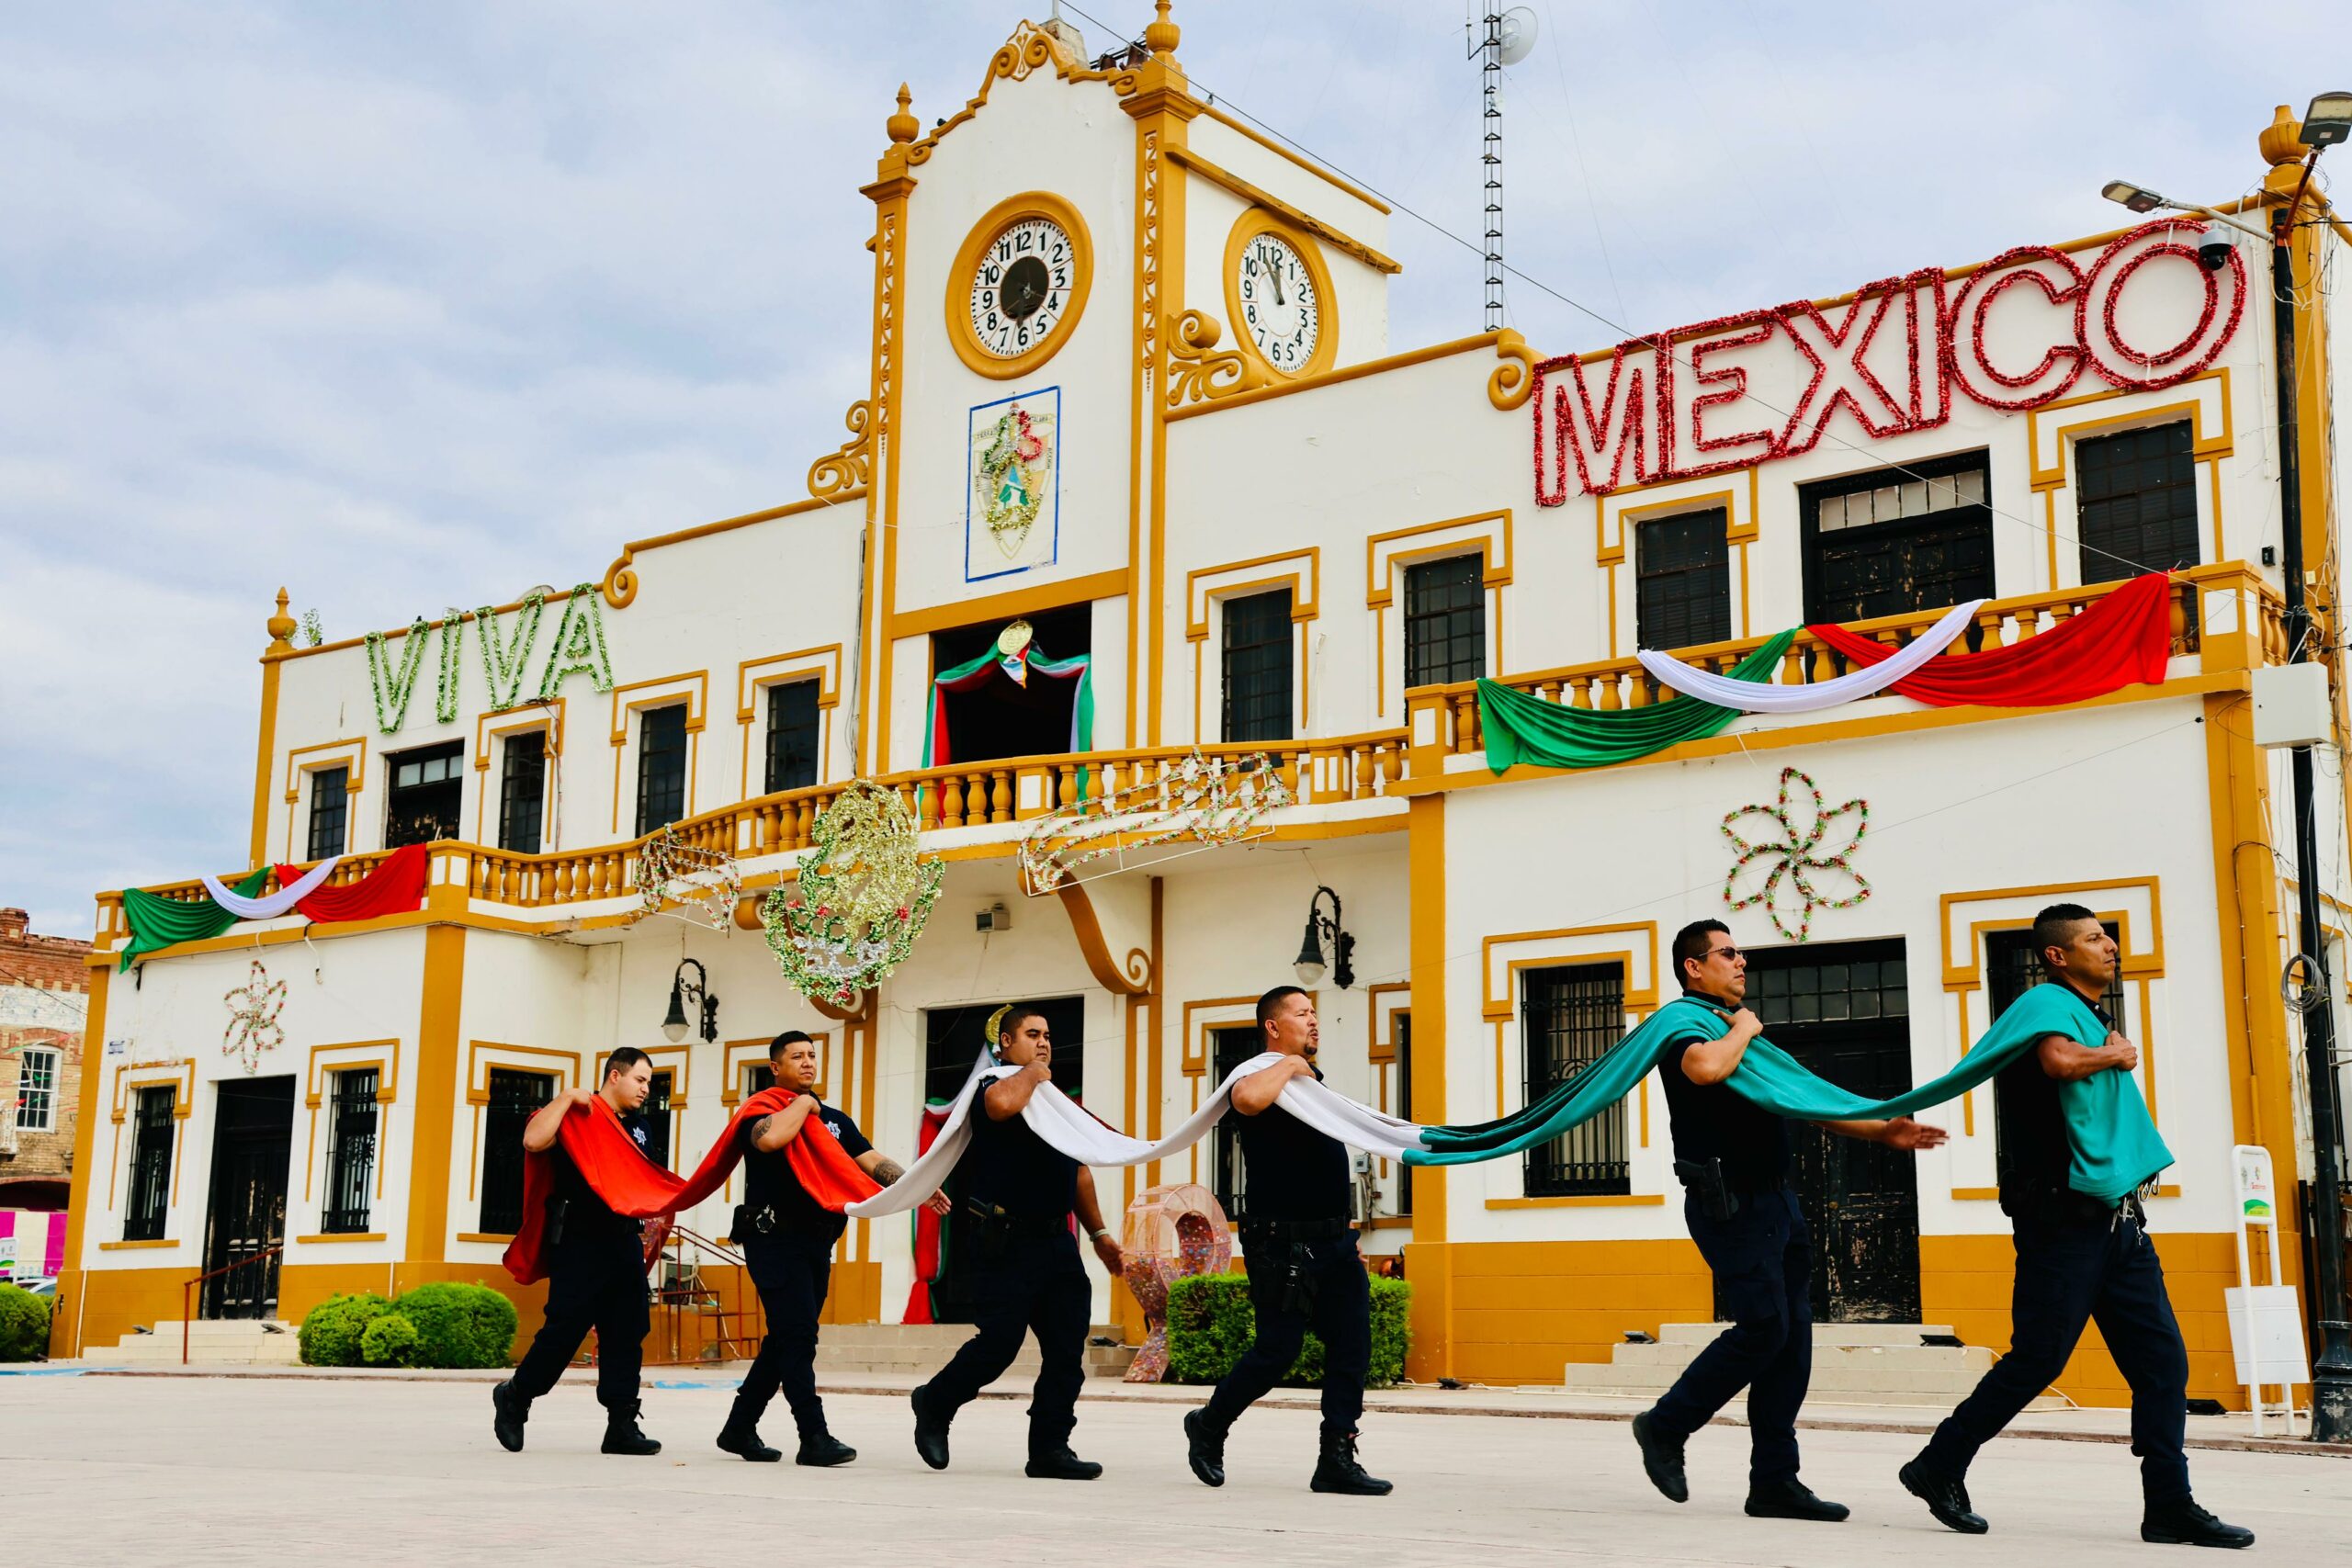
x=1497, y=38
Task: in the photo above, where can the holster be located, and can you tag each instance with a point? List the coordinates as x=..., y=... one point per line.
x=1705, y=1181
x=749, y=1221
x=557, y=1209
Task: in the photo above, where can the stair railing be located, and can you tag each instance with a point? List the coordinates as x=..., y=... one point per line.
x=187, y=1307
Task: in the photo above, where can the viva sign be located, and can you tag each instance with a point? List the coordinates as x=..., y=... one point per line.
x=2015, y=333
x=579, y=649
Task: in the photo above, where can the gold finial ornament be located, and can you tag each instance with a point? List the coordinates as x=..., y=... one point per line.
x=903, y=125
x=281, y=625
x=2280, y=140
x=1161, y=37
x=995, y=1027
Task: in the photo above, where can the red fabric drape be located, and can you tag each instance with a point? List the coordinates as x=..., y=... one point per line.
x=394, y=887
x=2122, y=640
x=634, y=1186
x=929, y=1236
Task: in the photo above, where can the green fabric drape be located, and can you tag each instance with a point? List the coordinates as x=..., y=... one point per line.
x=1524, y=728
x=2116, y=1144
x=159, y=922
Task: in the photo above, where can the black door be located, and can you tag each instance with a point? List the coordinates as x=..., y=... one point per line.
x=1000, y=718
x=251, y=1149
x=1844, y=1011
x=952, y=1041
x=1227, y=1180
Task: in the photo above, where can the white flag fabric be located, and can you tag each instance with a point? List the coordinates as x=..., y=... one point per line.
x=278, y=903
x=1066, y=1126
x=1761, y=696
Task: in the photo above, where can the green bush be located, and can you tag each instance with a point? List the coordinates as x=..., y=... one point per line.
x=333, y=1330
x=1211, y=1323
x=24, y=1325
x=459, y=1325
x=390, y=1341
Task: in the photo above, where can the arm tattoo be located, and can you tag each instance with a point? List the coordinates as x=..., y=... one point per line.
x=887, y=1171
x=760, y=1127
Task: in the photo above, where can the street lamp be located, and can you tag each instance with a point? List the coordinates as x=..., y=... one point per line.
x=2328, y=121
x=1309, y=965
x=674, y=1027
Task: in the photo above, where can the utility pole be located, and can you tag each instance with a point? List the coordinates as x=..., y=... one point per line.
x=1486, y=43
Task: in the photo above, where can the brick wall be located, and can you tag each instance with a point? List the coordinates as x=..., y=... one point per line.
x=44, y=994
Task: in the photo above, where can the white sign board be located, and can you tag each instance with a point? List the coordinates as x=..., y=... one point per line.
x=2266, y=1321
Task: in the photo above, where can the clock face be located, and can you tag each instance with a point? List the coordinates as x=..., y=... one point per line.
x=1021, y=290
x=1279, y=309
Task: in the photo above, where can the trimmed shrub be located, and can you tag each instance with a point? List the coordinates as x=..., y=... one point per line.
x=333, y=1330
x=460, y=1325
x=390, y=1341
x=24, y=1325
x=1211, y=1323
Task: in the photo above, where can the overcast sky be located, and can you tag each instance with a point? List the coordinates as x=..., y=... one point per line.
x=405, y=305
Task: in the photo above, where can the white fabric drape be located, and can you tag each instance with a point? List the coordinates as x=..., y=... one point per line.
x=1757, y=696
x=277, y=903
x=1066, y=1126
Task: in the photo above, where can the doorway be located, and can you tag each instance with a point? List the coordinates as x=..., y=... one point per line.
x=251, y=1149
x=999, y=717
x=1229, y=1048
x=1844, y=1010
x=952, y=1042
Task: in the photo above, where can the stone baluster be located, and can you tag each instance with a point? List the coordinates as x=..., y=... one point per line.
x=1001, y=795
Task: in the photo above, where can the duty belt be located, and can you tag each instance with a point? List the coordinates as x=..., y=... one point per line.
x=989, y=1214
x=1295, y=1230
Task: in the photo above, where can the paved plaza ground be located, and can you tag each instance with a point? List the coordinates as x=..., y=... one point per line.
x=213, y=1469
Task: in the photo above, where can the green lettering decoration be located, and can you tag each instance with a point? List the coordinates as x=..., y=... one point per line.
x=579, y=644
x=392, y=692
x=502, y=662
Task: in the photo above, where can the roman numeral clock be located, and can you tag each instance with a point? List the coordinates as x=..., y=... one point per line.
x=1019, y=285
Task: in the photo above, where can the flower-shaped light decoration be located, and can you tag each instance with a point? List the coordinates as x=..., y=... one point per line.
x=253, y=1025
x=701, y=885
x=861, y=901
x=1794, y=857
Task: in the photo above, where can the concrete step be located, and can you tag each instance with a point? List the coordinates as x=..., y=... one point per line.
x=1932, y=1385
x=231, y=1342
x=1695, y=1333
x=1904, y=1397
x=1889, y=1360
x=925, y=1348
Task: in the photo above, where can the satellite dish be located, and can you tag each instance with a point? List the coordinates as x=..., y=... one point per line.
x=1518, y=34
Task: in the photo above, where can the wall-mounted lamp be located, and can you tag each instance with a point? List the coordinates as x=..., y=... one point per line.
x=1319, y=927
x=673, y=1028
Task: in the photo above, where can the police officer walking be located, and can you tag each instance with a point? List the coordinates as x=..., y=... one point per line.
x=2078, y=1258
x=1733, y=1159
x=1304, y=1271
x=1021, y=1192
x=787, y=1240
x=597, y=1274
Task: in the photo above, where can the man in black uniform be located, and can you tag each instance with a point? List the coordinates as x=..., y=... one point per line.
x=1303, y=1268
x=787, y=1238
x=2078, y=1258
x=1021, y=1191
x=1733, y=1157
x=595, y=1274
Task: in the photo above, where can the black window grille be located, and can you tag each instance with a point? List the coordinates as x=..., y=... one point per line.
x=1572, y=1015
x=1257, y=661
x=351, y=1153
x=792, y=735
x=2136, y=502
x=514, y=1098
x=330, y=811
x=1895, y=540
x=523, y=792
x=2013, y=967
x=150, y=1165
x=36, y=1090
x=757, y=1077
x=1861, y=989
x=656, y=1111
x=1227, y=1180
x=427, y=787
x=1445, y=621
x=661, y=767
x=1682, y=580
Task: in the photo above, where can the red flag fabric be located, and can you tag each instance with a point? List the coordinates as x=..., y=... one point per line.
x=2122, y=640
x=610, y=1162
x=394, y=887
x=929, y=1236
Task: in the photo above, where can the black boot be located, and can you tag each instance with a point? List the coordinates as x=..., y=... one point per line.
x=622, y=1434
x=2180, y=1522
x=1204, y=1448
x=1792, y=1499
x=741, y=1436
x=1057, y=1463
x=823, y=1450
x=931, y=1432
x=1945, y=1495
x=1661, y=1459
x=513, y=1410
x=1337, y=1470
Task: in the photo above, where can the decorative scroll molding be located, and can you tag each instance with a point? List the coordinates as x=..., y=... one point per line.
x=1514, y=378
x=849, y=467
x=1194, y=373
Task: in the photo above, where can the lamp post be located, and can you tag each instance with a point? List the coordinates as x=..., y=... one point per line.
x=1308, y=965
x=674, y=1026
x=2327, y=121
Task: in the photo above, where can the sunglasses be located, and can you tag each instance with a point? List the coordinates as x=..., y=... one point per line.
x=1724, y=952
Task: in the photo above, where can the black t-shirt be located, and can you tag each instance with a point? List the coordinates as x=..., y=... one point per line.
x=1012, y=1167
x=769, y=1180
x=1295, y=1172
x=1712, y=1122
x=2033, y=1153
x=586, y=1215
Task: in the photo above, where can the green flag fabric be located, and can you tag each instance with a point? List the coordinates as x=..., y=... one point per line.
x=159, y=922
x=1524, y=728
x=2116, y=1146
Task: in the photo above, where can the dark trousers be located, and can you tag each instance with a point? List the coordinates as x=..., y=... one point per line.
x=791, y=1271
x=1762, y=1260
x=595, y=1281
x=2072, y=1271
x=1033, y=1283
x=1340, y=1314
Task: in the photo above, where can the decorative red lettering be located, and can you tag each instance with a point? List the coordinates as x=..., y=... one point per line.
x=1597, y=441
x=1838, y=374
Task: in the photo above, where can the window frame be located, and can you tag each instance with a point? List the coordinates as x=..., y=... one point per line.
x=646, y=821
x=2089, y=460
x=46, y=1090
x=1420, y=581
x=510, y=795
x=501, y=1152
x=1710, y=603
x=322, y=845
x=1274, y=700
x=449, y=752
x=147, y=1207
x=1927, y=471
x=776, y=753
x=1548, y=1170
x=350, y=1102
